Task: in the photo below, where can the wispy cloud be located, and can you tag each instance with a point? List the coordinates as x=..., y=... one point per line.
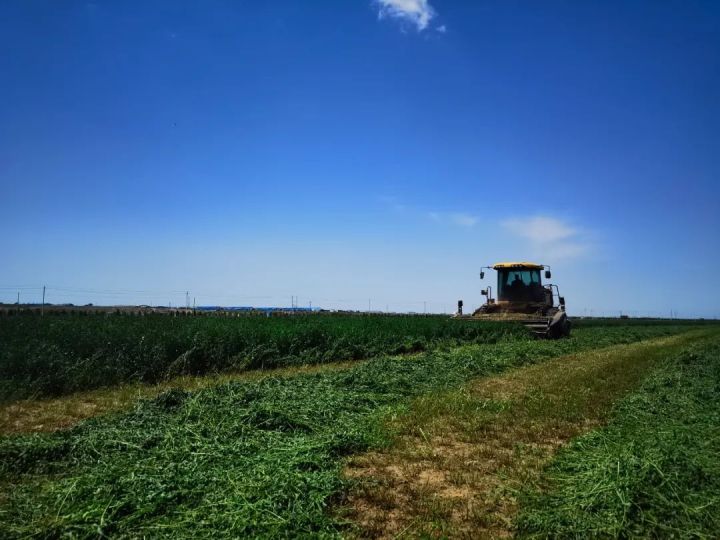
x=461, y=219
x=416, y=12
x=464, y=220
x=549, y=237
x=393, y=202
x=540, y=229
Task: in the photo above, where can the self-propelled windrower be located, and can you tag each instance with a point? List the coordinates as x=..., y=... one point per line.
x=522, y=297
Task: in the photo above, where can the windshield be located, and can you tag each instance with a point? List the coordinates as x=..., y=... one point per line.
x=519, y=284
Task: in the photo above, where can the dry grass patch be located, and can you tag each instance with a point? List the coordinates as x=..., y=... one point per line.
x=52, y=414
x=460, y=457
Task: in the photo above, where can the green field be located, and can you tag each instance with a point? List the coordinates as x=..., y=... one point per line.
x=60, y=353
x=259, y=458
x=653, y=472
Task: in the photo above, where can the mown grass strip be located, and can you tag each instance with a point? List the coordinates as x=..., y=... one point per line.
x=52, y=414
x=653, y=472
x=244, y=459
x=460, y=457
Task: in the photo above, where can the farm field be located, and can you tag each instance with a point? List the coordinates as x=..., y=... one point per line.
x=382, y=269
x=653, y=471
x=63, y=353
x=465, y=462
x=292, y=453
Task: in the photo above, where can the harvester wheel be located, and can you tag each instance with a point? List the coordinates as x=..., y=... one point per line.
x=559, y=326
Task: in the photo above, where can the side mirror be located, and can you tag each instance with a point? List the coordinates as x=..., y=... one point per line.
x=548, y=275
x=482, y=275
x=562, y=300
x=484, y=292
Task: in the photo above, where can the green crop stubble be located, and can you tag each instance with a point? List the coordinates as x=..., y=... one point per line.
x=654, y=471
x=244, y=459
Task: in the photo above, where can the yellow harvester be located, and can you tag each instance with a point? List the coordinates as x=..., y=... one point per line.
x=522, y=297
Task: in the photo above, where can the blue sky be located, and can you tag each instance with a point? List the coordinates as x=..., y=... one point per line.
x=360, y=150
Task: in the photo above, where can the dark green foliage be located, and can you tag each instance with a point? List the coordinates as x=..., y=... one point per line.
x=59, y=354
x=588, y=322
x=245, y=459
x=654, y=472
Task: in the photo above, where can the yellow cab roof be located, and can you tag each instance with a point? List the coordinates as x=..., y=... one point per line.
x=528, y=265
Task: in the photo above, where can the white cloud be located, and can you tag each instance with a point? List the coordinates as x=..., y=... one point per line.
x=392, y=202
x=550, y=238
x=540, y=229
x=460, y=219
x=464, y=220
x=417, y=12
x=442, y=29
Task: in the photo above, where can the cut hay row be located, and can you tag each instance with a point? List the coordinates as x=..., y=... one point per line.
x=243, y=459
x=653, y=472
x=460, y=458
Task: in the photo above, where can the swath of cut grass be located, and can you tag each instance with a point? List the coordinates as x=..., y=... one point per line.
x=653, y=472
x=461, y=456
x=244, y=459
x=52, y=414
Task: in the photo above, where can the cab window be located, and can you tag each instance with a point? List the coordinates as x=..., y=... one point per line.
x=518, y=284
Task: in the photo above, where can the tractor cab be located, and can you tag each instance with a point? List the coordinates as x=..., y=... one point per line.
x=520, y=288
x=519, y=284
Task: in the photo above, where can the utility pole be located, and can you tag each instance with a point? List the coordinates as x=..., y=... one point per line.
x=187, y=299
x=368, y=304
x=193, y=303
x=18, y=302
x=424, y=307
x=310, y=305
x=42, y=309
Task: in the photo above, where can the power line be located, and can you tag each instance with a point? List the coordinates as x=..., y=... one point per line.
x=20, y=288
